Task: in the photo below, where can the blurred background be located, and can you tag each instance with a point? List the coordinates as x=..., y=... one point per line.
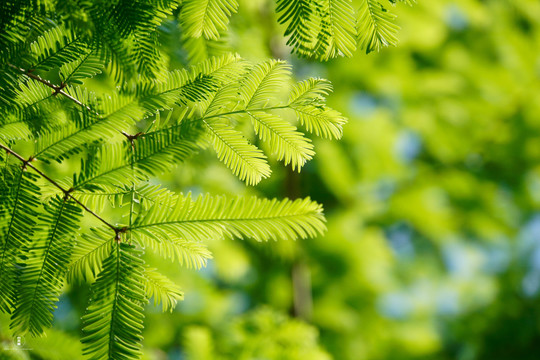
x=432, y=199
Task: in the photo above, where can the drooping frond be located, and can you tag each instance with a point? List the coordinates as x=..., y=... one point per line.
x=206, y=17
x=85, y=66
x=375, y=26
x=42, y=277
x=325, y=29
x=261, y=89
x=20, y=201
x=263, y=82
x=289, y=145
x=55, y=48
x=219, y=216
x=339, y=28
x=191, y=254
x=321, y=28
x=88, y=254
x=301, y=18
x=161, y=289
x=114, y=318
x=244, y=159
x=307, y=99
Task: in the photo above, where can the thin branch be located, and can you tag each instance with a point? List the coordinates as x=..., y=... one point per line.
x=57, y=89
x=67, y=192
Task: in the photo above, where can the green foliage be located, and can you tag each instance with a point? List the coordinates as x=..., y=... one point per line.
x=86, y=87
x=20, y=201
x=376, y=28
x=41, y=280
x=269, y=334
x=216, y=217
x=206, y=18
x=161, y=289
x=431, y=196
x=326, y=29
x=113, y=321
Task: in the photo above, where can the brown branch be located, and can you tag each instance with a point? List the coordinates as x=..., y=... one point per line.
x=57, y=89
x=67, y=193
x=132, y=139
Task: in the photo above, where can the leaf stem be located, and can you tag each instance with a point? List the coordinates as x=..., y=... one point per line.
x=67, y=192
x=58, y=89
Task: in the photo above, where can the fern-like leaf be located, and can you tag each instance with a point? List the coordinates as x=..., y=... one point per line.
x=114, y=318
x=89, y=252
x=307, y=99
x=323, y=29
x=55, y=48
x=244, y=159
x=154, y=153
x=191, y=254
x=263, y=82
x=161, y=289
x=86, y=66
x=42, y=277
x=301, y=17
x=375, y=26
x=210, y=217
x=337, y=36
x=21, y=202
x=207, y=17
x=290, y=145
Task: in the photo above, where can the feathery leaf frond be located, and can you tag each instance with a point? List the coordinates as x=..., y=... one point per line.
x=263, y=82
x=85, y=67
x=155, y=153
x=55, y=48
x=21, y=202
x=375, y=26
x=207, y=17
x=42, y=277
x=192, y=255
x=113, y=322
x=244, y=159
x=161, y=289
x=215, y=217
x=321, y=28
x=326, y=29
x=341, y=26
x=88, y=254
x=151, y=120
x=307, y=99
x=290, y=145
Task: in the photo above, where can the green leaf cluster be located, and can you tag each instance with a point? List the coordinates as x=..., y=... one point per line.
x=95, y=224
x=326, y=29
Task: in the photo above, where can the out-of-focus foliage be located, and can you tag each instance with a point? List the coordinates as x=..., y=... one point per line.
x=432, y=200
x=431, y=197
x=259, y=334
